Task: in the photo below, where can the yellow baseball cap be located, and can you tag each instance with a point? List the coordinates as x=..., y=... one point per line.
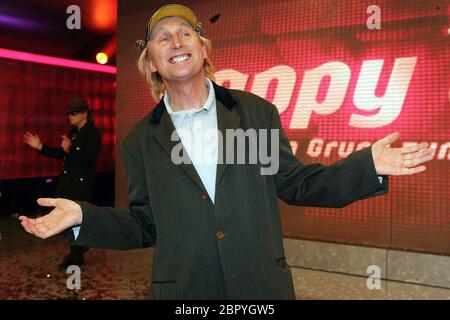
x=171, y=10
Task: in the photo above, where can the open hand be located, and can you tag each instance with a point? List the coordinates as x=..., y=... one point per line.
x=32, y=140
x=66, y=143
x=66, y=214
x=399, y=161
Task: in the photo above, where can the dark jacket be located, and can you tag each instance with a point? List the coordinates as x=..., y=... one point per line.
x=233, y=249
x=77, y=177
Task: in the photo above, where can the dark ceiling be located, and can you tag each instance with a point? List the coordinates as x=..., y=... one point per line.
x=39, y=26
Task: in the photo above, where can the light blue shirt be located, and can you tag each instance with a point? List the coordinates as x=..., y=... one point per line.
x=197, y=129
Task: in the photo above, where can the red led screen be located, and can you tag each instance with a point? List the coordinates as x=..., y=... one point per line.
x=339, y=87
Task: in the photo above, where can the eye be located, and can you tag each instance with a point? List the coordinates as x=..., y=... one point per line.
x=163, y=38
x=186, y=34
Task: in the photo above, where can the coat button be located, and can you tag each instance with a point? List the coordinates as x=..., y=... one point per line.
x=78, y=148
x=205, y=195
x=65, y=172
x=220, y=235
x=81, y=179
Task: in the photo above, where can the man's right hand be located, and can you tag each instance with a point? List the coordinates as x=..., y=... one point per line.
x=32, y=140
x=66, y=143
x=66, y=214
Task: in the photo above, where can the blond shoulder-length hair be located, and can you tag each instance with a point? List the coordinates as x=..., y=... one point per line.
x=154, y=78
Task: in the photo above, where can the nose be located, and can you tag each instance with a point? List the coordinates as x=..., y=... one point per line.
x=176, y=42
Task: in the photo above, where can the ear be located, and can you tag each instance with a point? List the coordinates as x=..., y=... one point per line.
x=204, y=52
x=151, y=66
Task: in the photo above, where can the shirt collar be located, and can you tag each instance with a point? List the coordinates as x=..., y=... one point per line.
x=179, y=116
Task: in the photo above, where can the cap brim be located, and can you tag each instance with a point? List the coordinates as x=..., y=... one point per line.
x=173, y=10
x=80, y=110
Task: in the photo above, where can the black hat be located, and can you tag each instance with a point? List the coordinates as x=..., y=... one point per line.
x=79, y=105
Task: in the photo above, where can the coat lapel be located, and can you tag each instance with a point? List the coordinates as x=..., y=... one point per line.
x=163, y=134
x=226, y=119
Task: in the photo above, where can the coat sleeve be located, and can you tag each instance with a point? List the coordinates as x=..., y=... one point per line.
x=318, y=185
x=112, y=228
x=55, y=153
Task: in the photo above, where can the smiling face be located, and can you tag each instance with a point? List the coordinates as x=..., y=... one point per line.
x=176, y=52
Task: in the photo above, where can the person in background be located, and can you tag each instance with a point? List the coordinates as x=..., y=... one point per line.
x=78, y=150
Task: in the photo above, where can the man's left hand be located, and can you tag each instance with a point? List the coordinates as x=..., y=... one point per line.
x=399, y=161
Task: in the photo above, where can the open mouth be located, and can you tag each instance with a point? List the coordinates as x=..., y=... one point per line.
x=180, y=58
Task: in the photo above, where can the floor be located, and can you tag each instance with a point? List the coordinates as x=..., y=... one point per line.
x=28, y=271
x=320, y=285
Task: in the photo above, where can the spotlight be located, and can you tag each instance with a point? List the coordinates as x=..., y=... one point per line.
x=101, y=57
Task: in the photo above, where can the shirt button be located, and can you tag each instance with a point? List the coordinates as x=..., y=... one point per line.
x=78, y=148
x=205, y=195
x=81, y=179
x=65, y=172
x=220, y=235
